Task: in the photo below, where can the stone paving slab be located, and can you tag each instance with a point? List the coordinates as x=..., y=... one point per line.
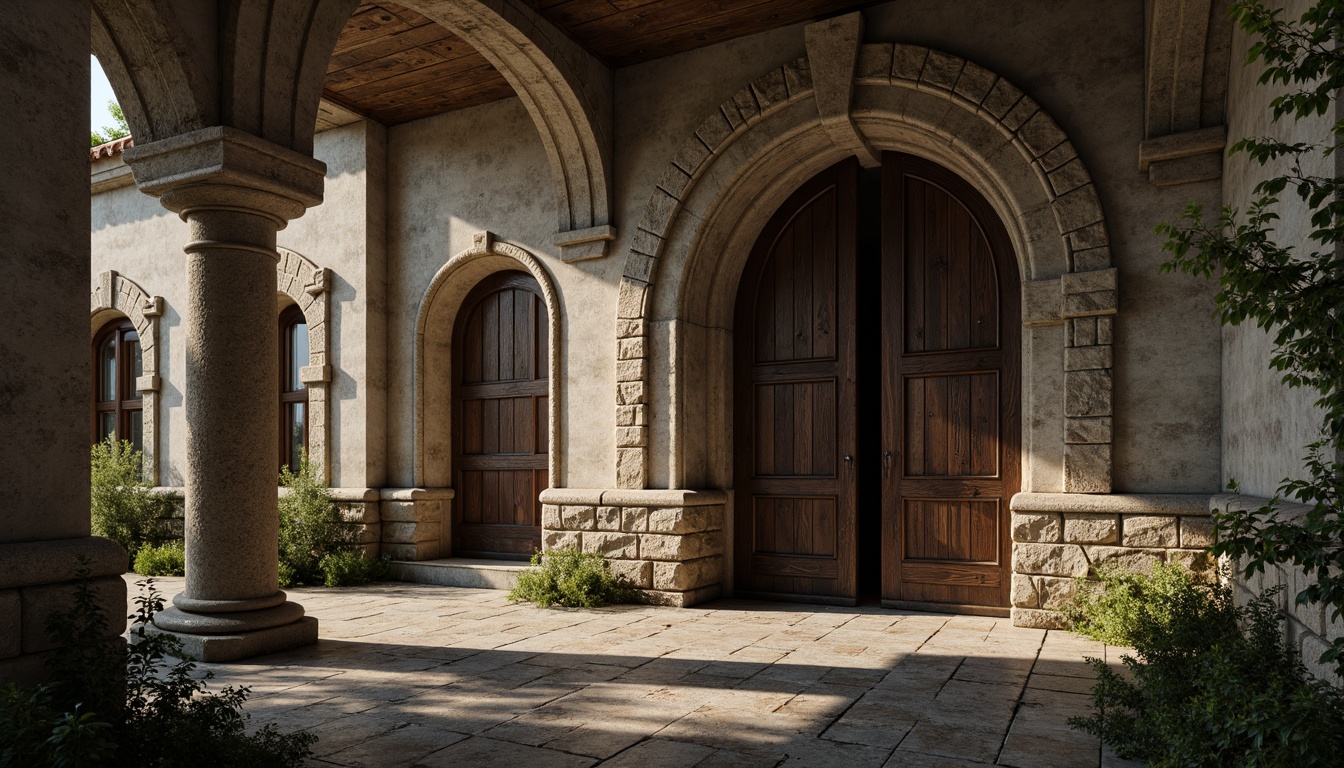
x=420, y=675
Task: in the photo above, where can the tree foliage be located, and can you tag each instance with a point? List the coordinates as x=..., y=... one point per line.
x=119, y=129
x=1294, y=291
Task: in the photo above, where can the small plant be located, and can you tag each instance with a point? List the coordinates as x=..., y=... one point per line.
x=114, y=703
x=315, y=543
x=168, y=559
x=123, y=505
x=1210, y=684
x=572, y=579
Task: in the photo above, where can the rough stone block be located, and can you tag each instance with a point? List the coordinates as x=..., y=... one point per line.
x=692, y=574
x=797, y=77
x=1195, y=560
x=621, y=546
x=410, y=533
x=631, y=437
x=1087, y=358
x=630, y=349
x=693, y=152
x=714, y=130
x=1090, y=281
x=608, y=518
x=1092, y=259
x=630, y=468
x=1150, y=531
x=1020, y=113
x=630, y=298
x=629, y=329
x=1078, y=208
x=550, y=517
x=1091, y=236
x=1049, y=559
x=745, y=100
x=874, y=65
x=1087, y=468
x=1137, y=560
x=412, y=511
x=1036, y=527
x=630, y=393
x=1001, y=99
x=680, y=548
x=975, y=82
x=630, y=370
x=1068, y=177
x=1081, y=528
x=1055, y=593
x=1040, y=134
x=908, y=61
x=638, y=572
x=1096, y=429
x=1196, y=532
x=1094, y=303
x=631, y=415
x=1087, y=393
x=685, y=519
x=941, y=70
x=770, y=89
x=1024, y=592
x=635, y=519
x=1038, y=619
x=11, y=636
x=578, y=518
x=565, y=540
x=38, y=602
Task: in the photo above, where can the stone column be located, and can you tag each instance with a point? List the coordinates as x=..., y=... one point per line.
x=235, y=191
x=44, y=355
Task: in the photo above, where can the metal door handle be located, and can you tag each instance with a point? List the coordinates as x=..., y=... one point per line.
x=886, y=464
x=849, y=466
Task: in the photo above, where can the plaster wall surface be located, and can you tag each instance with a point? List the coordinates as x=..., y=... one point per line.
x=134, y=235
x=1266, y=425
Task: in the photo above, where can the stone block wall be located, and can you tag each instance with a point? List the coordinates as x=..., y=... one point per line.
x=358, y=508
x=39, y=579
x=1309, y=628
x=1060, y=537
x=669, y=544
x=414, y=522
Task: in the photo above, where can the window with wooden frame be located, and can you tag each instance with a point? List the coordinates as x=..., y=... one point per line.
x=117, y=404
x=293, y=393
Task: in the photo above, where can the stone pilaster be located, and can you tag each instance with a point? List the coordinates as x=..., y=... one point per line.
x=235, y=191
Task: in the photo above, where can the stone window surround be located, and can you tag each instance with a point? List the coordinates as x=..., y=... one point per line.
x=899, y=97
x=417, y=522
x=301, y=282
x=114, y=296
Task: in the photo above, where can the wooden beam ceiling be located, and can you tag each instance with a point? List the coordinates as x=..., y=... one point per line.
x=394, y=65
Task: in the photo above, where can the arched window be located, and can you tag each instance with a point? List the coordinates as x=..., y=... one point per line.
x=293, y=393
x=117, y=406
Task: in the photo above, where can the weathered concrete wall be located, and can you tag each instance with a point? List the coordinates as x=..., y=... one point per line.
x=1266, y=425
x=135, y=236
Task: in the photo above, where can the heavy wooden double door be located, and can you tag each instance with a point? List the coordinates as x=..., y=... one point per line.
x=501, y=418
x=877, y=393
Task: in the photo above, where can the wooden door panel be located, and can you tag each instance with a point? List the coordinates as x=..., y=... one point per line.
x=950, y=401
x=795, y=529
x=501, y=425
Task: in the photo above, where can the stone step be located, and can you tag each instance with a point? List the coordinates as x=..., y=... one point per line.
x=460, y=572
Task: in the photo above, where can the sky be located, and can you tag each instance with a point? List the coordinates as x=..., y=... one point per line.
x=100, y=92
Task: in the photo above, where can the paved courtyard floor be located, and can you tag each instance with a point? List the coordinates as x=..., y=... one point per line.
x=415, y=675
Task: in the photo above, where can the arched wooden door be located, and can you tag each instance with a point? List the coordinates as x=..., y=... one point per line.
x=500, y=418
x=795, y=398
x=951, y=394
x=920, y=450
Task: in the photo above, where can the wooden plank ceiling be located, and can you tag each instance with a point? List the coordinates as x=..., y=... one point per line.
x=395, y=65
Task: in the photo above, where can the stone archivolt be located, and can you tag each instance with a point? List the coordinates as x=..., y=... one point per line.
x=309, y=286
x=896, y=90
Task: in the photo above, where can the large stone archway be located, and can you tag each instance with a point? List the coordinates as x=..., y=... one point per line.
x=675, y=304
x=113, y=296
x=308, y=286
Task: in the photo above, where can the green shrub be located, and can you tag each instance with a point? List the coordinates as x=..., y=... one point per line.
x=1210, y=685
x=347, y=568
x=124, y=506
x=572, y=579
x=114, y=703
x=168, y=559
x=315, y=543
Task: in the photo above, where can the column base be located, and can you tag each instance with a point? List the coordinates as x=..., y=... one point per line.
x=246, y=645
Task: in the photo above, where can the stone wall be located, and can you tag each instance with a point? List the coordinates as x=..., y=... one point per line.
x=1058, y=538
x=669, y=544
x=1309, y=628
x=415, y=522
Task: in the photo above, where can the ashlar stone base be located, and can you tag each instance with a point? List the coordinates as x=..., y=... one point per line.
x=668, y=543
x=246, y=645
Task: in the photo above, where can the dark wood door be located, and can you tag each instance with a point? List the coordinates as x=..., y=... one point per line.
x=950, y=390
x=795, y=398
x=500, y=415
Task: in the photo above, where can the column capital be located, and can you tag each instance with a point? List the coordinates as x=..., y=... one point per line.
x=223, y=168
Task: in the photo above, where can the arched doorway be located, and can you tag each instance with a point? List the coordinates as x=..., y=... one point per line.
x=501, y=412
x=877, y=395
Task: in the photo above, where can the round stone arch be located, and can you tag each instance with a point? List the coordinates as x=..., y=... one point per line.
x=675, y=306
x=301, y=282
x=114, y=296
x=433, y=352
